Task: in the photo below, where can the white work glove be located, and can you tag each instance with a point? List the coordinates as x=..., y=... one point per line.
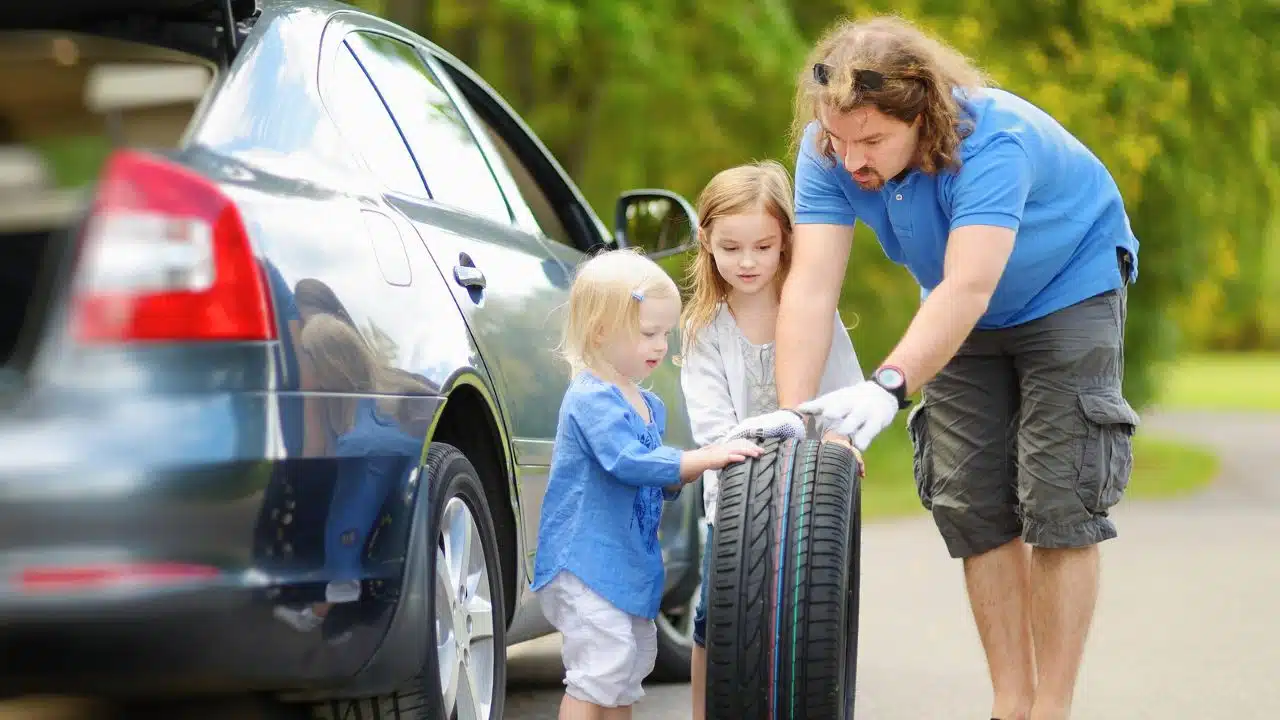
x=860, y=411
x=779, y=423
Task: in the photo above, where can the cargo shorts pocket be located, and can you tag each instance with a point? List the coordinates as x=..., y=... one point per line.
x=1106, y=458
x=918, y=429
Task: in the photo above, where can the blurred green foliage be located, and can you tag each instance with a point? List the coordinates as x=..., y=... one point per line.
x=1178, y=97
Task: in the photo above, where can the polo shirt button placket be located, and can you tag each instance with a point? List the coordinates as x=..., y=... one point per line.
x=901, y=223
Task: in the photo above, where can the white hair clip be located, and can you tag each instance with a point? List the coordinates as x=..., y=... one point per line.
x=637, y=295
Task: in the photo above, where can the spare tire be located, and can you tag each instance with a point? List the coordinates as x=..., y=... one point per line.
x=782, y=618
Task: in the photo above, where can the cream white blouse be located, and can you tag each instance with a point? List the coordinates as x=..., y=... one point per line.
x=726, y=379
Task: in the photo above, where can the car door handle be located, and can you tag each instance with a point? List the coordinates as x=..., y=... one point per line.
x=469, y=276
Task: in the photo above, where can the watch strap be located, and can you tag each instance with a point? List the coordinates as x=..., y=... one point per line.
x=900, y=391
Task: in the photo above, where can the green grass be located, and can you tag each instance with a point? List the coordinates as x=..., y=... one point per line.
x=1165, y=468
x=889, y=489
x=1161, y=469
x=1238, y=381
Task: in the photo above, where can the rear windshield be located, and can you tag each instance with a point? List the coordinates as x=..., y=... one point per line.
x=66, y=100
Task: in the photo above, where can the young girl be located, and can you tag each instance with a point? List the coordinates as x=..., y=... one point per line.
x=598, y=571
x=744, y=250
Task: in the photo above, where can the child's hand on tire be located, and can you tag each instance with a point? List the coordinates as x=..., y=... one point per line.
x=732, y=451
x=715, y=457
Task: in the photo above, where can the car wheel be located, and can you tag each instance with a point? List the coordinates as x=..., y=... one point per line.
x=782, y=623
x=465, y=675
x=675, y=625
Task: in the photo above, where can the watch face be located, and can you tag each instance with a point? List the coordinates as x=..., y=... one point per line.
x=889, y=377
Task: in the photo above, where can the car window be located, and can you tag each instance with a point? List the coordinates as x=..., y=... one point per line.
x=452, y=164
x=360, y=113
x=541, y=192
x=531, y=194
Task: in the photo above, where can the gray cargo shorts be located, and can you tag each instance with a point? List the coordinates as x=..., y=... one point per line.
x=1026, y=432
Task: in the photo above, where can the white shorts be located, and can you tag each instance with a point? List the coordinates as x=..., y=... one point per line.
x=607, y=653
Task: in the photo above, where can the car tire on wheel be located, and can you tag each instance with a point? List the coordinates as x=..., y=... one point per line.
x=782, y=621
x=465, y=675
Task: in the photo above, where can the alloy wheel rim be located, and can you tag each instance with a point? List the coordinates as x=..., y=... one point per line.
x=464, y=616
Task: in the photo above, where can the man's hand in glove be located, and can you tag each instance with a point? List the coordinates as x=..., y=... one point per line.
x=860, y=411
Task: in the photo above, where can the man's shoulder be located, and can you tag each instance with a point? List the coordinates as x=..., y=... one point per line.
x=990, y=115
x=995, y=115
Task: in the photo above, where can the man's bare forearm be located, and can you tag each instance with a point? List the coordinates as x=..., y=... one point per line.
x=976, y=258
x=938, y=330
x=820, y=254
x=803, y=340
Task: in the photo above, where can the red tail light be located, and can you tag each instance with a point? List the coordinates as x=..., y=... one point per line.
x=165, y=257
x=100, y=577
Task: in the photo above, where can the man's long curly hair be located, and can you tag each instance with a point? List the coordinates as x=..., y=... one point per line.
x=920, y=72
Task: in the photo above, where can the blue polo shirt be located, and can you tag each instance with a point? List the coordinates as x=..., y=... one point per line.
x=1020, y=169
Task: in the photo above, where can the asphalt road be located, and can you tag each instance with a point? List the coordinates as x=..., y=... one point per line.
x=1187, y=626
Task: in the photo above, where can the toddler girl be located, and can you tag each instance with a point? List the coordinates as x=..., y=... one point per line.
x=598, y=570
x=744, y=250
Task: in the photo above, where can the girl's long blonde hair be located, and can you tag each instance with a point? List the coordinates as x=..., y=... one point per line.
x=607, y=292
x=762, y=186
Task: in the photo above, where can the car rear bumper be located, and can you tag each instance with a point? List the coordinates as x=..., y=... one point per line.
x=140, y=643
x=128, y=569
x=113, y=620
x=147, y=606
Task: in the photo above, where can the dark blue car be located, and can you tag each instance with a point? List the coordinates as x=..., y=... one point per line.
x=282, y=290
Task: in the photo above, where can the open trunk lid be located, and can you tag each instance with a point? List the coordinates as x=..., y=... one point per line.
x=81, y=14
x=71, y=98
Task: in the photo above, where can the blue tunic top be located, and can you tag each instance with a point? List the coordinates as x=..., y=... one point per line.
x=604, y=497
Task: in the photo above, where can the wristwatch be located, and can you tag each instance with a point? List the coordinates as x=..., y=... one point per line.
x=891, y=378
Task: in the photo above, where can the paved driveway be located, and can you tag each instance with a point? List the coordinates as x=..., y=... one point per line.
x=1188, y=623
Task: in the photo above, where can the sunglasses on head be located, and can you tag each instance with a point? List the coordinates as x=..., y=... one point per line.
x=863, y=80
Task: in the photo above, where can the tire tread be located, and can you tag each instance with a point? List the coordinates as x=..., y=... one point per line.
x=806, y=582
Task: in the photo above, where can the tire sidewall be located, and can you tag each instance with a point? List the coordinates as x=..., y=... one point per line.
x=452, y=475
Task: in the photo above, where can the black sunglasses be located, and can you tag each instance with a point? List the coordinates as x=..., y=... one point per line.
x=863, y=80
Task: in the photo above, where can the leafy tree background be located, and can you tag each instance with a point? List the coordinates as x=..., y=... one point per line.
x=1178, y=97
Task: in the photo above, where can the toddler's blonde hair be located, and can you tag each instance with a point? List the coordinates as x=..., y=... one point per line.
x=763, y=186
x=606, y=294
